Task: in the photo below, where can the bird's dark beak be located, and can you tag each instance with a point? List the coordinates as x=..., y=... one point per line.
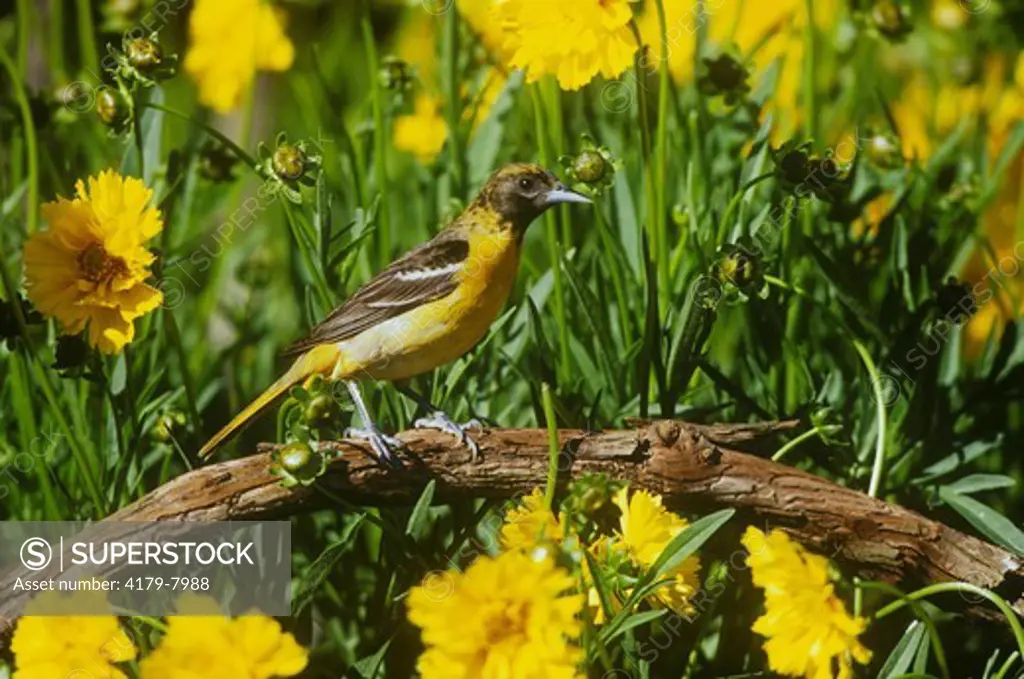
x=560, y=194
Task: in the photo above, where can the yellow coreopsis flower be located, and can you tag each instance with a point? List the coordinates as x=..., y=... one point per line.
x=423, y=132
x=229, y=40
x=645, y=529
x=210, y=645
x=530, y=523
x=88, y=270
x=56, y=647
x=484, y=18
x=573, y=40
x=507, y=617
x=808, y=629
x=60, y=646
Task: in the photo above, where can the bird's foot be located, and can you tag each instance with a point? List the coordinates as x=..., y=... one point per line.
x=442, y=422
x=384, y=446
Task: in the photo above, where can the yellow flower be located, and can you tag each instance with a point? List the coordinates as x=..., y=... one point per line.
x=484, y=18
x=55, y=647
x=416, y=44
x=808, y=629
x=645, y=529
x=574, y=40
x=89, y=267
x=530, y=523
x=925, y=114
x=506, y=617
x=423, y=132
x=948, y=14
x=229, y=40
x=210, y=645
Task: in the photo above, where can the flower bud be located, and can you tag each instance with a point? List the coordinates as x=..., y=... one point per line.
x=289, y=162
x=884, y=152
x=112, y=108
x=320, y=411
x=144, y=54
x=295, y=456
x=590, y=167
x=890, y=19
x=394, y=75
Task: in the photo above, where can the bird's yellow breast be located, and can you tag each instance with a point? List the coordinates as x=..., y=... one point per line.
x=439, y=332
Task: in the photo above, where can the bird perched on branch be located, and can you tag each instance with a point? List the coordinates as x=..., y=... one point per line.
x=424, y=310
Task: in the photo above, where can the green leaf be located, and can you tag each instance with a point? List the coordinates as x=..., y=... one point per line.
x=975, y=483
x=902, y=656
x=687, y=542
x=988, y=521
x=321, y=568
x=636, y=620
x=960, y=458
x=419, y=512
x=599, y=584
x=369, y=667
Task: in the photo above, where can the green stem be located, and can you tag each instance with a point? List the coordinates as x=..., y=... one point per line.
x=192, y=401
x=379, y=141
x=32, y=200
x=811, y=119
x=661, y=153
x=242, y=154
x=803, y=437
x=140, y=144
x=554, y=247
x=87, y=38
x=91, y=486
x=56, y=38
x=553, y=447
x=876, y=385
x=961, y=588
x=24, y=31
x=451, y=104
x=922, y=615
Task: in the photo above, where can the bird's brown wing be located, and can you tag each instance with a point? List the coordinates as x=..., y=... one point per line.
x=423, y=275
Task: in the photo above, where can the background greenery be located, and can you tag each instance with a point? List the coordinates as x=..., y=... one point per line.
x=830, y=312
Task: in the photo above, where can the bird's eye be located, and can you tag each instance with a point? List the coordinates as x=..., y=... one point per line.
x=526, y=183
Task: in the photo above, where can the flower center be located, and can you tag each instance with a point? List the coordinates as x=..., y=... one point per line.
x=96, y=266
x=511, y=623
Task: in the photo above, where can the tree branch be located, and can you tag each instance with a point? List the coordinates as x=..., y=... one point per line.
x=692, y=466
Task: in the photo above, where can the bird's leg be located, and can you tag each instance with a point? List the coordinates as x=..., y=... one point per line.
x=440, y=420
x=382, y=444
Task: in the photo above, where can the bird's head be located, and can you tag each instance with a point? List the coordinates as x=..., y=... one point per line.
x=520, y=192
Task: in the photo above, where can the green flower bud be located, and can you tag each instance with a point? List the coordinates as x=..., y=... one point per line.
x=295, y=457
x=145, y=55
x=321, y=411
x=163, y=431
x=590, y=167
x=289, y=162
x=890, y=19
x=884, y=152
x=112, y=108
x=955, y=301
x=217, y=162
x=394, y=75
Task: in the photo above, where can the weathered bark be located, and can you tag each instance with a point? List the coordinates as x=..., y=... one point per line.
x=690, y=465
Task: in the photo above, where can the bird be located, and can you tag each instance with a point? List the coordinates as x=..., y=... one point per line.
x=427, y=308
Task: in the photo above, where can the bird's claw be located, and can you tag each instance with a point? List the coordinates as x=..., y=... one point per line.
x=383, y=446
x=439, y=420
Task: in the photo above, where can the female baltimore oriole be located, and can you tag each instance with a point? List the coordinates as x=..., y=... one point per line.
x=426, y=309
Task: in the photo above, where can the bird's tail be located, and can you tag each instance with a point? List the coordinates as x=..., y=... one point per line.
x=318, y=360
